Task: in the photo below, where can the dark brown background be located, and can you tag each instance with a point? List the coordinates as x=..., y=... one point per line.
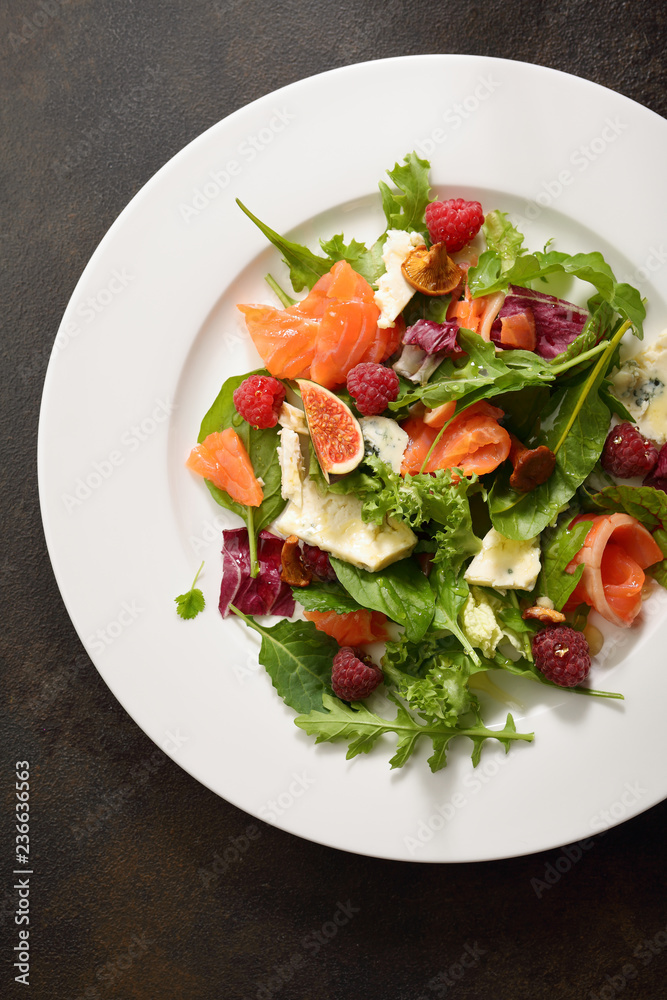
x=123, y=839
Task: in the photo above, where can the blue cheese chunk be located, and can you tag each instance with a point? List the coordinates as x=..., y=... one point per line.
x=334, y=523
x=293, y=418
x=504, y=563
x=641, y=385
x=383, y=437
x=393, y=291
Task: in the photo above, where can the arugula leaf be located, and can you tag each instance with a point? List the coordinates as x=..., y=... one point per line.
x=189, y=605
x=262, y=448
x=489, y=276
x=576, y=429
x=481, y=375
x=325, y=596
x=405, y=210
x=599, y=326
x=363, y=728
x=305, y=267
x=559, y=547
x=401, y=591
x=645, y=503
x=297, y=657
x=282, y=295
x=450, y=593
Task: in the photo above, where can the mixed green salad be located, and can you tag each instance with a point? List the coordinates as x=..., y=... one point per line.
x=450, y=632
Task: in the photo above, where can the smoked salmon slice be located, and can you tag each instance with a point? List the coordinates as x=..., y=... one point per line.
x=223, y=460
x=351, y=628
x=615, y=553
x=518, y=330
x=477, y=314
x=474, y=441
x=326, y=334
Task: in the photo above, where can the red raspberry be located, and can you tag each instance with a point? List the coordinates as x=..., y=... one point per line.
x=372, y=387
x=354, y=675
x=454, y=222
x=562, y=655
x=626, y=453
x=318, y=561
x=259, y=399
x=658, y=477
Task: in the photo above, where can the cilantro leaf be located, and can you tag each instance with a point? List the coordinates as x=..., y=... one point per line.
x=189, y=605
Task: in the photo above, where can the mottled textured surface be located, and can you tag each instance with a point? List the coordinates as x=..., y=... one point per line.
x=128, y=903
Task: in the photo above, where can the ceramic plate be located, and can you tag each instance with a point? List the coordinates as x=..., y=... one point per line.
x=152, y=331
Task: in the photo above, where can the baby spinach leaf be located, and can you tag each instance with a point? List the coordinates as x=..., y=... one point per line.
x=559, y=547
x=659, y=570
x=298, y=658
x=575, y=429
x=428, y=307
x=400, y=590
x=325, y=596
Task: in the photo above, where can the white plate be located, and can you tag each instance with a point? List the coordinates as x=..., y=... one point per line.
x=151, y=333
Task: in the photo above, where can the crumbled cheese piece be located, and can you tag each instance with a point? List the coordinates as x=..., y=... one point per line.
x=393, y=291
x=293, y=418
x=386, y=439
x=505, y=563
x=291, y=466
x=641, y=385
x=333, y=522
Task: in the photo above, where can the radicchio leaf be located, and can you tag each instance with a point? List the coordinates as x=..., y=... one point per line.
x=265, y=594
x=557, y=322
x=434, y=337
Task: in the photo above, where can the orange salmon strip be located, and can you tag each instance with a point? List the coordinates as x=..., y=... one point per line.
x=223, y=460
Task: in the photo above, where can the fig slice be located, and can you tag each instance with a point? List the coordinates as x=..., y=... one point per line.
x=431, y=271
x=333, y=428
